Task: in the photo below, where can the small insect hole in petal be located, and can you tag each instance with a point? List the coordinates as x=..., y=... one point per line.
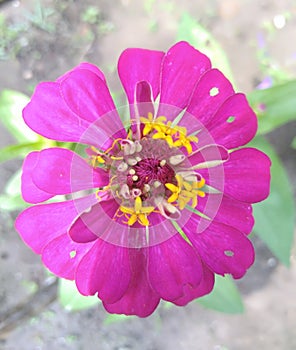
x=228, y=253
x=230, y=119
x=72, y=254
x=214, y=91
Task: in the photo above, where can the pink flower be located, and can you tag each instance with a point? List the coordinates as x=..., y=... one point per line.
x=161, y=202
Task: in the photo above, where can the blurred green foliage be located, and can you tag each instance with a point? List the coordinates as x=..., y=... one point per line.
x=71, y=300
x=225, y=297
x=274, y=218
x=274, y=106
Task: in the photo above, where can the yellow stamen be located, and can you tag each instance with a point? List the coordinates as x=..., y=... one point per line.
x=184, y=140
x=185, y=191
x=151, y=123
x=113, y=145
x=137, y=213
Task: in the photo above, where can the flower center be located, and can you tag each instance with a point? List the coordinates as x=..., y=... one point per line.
x=152, y=174
x=142, y=171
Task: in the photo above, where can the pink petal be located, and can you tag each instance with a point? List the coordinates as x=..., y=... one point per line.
x=104, y=269
x=182, y=67
x=30, y=192
x=205, y=287
x=234, y=124
x=144, y=99
x=223, y=248
x=62, y=256
x=87, y=95
x=84, y=66
x=211, y=91
x=139, y=299
x=48, y=115
x=210, y=154
x=172, y=265
x=61, y=171
x=246, y=176
x=40, y=224
x=94, y=222
x=227, y=210
x=135, y=65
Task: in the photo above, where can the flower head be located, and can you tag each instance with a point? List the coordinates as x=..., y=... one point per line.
x=162, y=202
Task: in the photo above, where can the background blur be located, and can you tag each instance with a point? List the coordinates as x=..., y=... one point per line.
x=40, y=40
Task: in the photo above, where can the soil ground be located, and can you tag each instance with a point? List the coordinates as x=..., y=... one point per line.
x=52, y=41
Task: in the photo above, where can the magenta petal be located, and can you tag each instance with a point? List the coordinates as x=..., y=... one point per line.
x=234, y=124
x=205, y=287
x=48, y=115
x=61, y=171
x=247, y=176
x=62, y=256
x=30, y=192
x=223, y=248
x=87, y=95
x=210, y=154
x=40, y=224
x=85, y=66
x=135, y=65
x=144, y=99
x=104, y=269
x=94, y=222
x=139, y=299
x=210, y=93
x=181, y=69
x=228, y=211
x=172, y=265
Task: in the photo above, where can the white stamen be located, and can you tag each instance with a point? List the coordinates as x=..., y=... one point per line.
x=169, y=207
x=135, y=177
x=132, y=148
x=136, y=192
x=122, y=167
x=126, y=145
x=132, y=161
x=165, y=207
x=147, y=188
x=124, y=191
x=138, y=146
x=188, y=175
x=177, y=159
x=138, y=159
x=162, y=162
x=191, y=178
x=126, y=149
x=132, y=171
x=156, y=183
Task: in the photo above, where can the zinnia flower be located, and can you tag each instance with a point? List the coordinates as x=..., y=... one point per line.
x=157, y=203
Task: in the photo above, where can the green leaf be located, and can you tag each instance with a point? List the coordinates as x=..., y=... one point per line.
x=13, y=186
x=11, y=106
x=293, y=144
x=225, y=296
x=114, y=318
x=19, y=150
x=71, y=299
x=274, y=217
x=190, y=30
x=11, y=198
x=275, y=106
x=12, y=202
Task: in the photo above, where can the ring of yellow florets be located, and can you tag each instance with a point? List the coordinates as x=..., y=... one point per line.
x=151, y=174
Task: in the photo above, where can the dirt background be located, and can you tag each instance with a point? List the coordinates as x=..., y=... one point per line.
x=43, y=45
